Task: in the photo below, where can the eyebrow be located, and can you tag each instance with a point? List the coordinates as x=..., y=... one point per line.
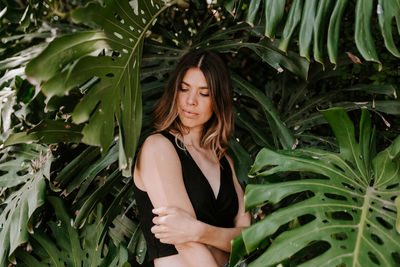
x=203, y=87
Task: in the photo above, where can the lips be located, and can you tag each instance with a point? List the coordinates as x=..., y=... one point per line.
x=189, y=114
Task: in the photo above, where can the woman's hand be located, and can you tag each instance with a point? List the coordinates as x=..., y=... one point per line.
x=174, y=226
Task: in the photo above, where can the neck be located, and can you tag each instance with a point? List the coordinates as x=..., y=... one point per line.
x=193, y=138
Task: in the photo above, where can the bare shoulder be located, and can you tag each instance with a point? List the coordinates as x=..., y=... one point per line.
x=158, y=145
x=157, y=141
x=158, y=151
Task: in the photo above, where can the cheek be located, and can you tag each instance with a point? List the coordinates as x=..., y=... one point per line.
x=209, y=109
x=179, y=100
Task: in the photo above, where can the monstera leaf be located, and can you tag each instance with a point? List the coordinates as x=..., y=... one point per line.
x=351, y=210
x=319, y=22
x=30, y=169
x=115, y=94
x=67, y=249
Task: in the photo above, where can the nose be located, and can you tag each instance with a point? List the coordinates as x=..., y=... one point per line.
x=191, y=98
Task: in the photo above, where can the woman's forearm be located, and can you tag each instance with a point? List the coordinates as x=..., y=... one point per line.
x=218, y=237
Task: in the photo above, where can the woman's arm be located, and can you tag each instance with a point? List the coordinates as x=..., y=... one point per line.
x=158, y=170
x=174, y=225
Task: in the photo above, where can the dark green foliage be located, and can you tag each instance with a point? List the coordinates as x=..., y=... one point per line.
x=58, y=100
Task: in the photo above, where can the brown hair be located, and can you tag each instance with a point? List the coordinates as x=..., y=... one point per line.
x=218, y=129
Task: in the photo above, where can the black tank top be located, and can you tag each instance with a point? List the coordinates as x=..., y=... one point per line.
x=219, y=211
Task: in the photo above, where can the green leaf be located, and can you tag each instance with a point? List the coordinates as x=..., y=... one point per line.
x=397, y=203
x=273, y=15
x=351, y=207
x=323, y=10
x=334, y=29
x=285, y=136
x=95, y=197
x=242, y=161
x=61, y=52
x=252, y=12
x=245, y=121
x=48, y=132
x=86, y=175
x=116, y=97
x=307, y=27
x=292, y=21
x=62, y=245
x=387, y=11
x=238, y=250
x=22, y=203
x=79, y=163
x=362, y=33
x=276, y=59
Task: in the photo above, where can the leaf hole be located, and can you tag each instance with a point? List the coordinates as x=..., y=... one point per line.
x=354, y=199
x=350, y=164
x=377, y=239
x=349, y=186
x=325, y=221
x=110, y=75
x=339, y=236
x=390, y=210
x=361, y=191
x=312, y=250
x=393, y=198
x=22, y=172
x=392, y=186
x=339, y=215
x=117, y=16
x=335, y=196
x=338, y=167
x=373, y=258
x=384, y=223
x=118, y=35
x=343, y=247
x=396, y=257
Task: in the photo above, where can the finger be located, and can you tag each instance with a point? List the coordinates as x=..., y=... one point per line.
x=161, y=210
x=157, y=229
x=156, y=220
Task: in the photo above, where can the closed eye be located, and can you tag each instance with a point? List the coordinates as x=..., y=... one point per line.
x=205, y=92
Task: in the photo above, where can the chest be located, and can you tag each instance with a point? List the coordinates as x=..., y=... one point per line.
x=217, y=207
x=209, y=169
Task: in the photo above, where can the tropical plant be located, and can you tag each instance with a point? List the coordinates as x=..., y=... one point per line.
x=115, y=56
x=319, y=23
x=64, y=247
x=347, y=215
x=27, y=166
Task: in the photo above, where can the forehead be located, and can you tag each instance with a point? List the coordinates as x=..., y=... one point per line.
x=194, y=77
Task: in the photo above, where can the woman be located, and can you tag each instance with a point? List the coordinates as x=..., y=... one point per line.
x=190, y=201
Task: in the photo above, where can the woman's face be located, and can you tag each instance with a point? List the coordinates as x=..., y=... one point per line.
x=194, y=100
